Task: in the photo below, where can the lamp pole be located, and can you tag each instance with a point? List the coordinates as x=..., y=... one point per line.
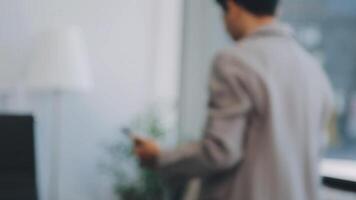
x=54, y=178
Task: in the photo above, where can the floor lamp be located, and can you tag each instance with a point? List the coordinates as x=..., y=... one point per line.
x=60, y=65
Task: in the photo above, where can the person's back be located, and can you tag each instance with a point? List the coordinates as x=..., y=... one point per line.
x=269, y=105
x=283, y=145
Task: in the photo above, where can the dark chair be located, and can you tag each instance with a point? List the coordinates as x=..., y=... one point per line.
x=17, y=158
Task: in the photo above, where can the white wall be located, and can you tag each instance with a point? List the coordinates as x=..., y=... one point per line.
x=134, y=52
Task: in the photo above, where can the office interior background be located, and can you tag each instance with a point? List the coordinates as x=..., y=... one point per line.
x=138, y=56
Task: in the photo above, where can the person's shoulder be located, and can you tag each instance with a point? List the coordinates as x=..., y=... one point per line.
x=234, y=61
x=225, y=58
x=228, y=54
x=238, y=50
x=238, y=55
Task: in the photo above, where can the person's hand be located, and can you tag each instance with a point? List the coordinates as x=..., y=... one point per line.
x=147, y=152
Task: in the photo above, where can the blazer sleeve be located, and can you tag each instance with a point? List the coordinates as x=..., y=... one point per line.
x=222, y=145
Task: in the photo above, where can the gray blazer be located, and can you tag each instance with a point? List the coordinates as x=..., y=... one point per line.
x=269, y=107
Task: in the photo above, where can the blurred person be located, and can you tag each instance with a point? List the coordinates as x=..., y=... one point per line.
x=270, y=104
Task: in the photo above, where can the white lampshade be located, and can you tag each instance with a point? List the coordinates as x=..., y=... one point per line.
x=60, y=62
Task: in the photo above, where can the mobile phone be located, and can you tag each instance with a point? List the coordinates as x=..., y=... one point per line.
x=128, y=132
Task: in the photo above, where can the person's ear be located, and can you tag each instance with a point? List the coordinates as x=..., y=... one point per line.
x=231, y=3
x=232, y=7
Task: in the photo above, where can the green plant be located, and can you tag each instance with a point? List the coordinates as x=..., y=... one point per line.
x=130, y=181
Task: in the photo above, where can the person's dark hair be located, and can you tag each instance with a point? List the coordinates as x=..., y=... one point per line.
x=257, y=7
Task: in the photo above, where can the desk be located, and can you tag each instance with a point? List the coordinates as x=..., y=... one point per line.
x=339, y=174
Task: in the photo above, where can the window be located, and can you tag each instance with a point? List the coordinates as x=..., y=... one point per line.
x=328, y=29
